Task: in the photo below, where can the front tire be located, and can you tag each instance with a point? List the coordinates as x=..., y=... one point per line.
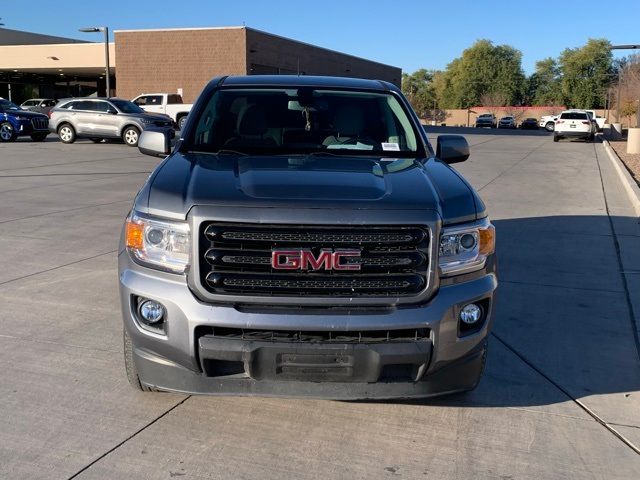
x=7, y=132
x=550, y=126
x=131, y=135
x=66, y=133
x=182, y=122
x=130, y=366
x=38, y=137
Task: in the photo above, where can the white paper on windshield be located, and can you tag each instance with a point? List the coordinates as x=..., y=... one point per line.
x=390, y=147
x=355, y=146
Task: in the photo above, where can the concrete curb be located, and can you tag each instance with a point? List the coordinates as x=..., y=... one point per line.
x=630, y=185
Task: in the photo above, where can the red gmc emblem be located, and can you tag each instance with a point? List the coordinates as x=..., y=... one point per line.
x=306, y=260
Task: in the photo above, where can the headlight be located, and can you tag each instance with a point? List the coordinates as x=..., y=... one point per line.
x=465, y=248
x=158, y=244
x=147, y=121
x=20, y=119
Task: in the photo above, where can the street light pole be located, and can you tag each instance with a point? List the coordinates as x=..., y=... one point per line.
x=106, y=59
x=107, y=76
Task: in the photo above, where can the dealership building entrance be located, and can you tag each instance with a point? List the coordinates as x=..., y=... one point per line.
x=180, y=61
x=33, y=65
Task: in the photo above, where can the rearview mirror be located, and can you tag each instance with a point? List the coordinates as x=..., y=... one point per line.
x=452, y=148
x=155, y=143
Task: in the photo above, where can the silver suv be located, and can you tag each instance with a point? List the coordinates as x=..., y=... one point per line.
x=99, y=118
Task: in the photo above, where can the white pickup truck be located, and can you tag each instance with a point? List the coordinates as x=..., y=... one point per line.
x=600, y=121
x=548, y=122
x=168, y=103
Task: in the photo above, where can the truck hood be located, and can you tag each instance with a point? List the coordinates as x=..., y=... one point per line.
x=187, y=180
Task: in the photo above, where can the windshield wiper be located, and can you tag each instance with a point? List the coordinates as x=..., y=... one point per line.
x=230, y=152
x=221, y=152
x=321, y=154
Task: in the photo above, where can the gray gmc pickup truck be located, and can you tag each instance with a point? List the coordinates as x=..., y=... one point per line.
x=302, y=238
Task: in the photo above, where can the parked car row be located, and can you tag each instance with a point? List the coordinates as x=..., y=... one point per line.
x=73, y=118
x=489, y=120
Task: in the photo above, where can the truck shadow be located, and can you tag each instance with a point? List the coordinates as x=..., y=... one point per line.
x=563, y=327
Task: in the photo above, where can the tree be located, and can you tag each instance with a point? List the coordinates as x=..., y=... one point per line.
x=483, y=68
x=545, y=85
x=586, y=73
x=629, y=88
x=627, y=109
x=418, y=88
x=516, y=112
x=494, y=101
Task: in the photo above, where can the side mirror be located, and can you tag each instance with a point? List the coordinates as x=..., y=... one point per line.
x=452, y=148
x=112, y=111
x=155, y=143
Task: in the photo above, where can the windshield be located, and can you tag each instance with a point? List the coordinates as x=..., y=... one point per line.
x=127, y=107
x=7, y=105
x=302, y=121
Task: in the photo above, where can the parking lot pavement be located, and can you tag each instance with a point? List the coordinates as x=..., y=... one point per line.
x=560, y=397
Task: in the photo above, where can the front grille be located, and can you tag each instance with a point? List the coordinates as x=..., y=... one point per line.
x=235, y=259
x=301, y=336
x=40, y=123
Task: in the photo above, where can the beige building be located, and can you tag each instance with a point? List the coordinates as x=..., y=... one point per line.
x=164, y=60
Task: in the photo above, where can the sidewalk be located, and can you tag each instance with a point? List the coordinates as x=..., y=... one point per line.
x=632, y=161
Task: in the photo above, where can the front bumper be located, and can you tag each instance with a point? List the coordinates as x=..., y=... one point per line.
x=25, y=127
x=443, y=362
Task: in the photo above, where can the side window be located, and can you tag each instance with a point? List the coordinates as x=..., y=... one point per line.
x=154, y=100
x=174, y=99
x=141, y=101
x=102, y=107
x=83, y=105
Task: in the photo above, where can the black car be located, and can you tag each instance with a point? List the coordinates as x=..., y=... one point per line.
x=529, y=124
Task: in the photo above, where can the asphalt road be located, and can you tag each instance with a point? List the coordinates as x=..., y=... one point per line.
x=560, y=397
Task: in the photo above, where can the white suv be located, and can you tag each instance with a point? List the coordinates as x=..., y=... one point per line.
x=574, y=123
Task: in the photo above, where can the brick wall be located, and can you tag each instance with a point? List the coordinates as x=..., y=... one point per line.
x=165, y=60
x=266, y=50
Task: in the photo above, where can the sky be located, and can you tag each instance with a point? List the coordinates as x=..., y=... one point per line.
x=409, y=34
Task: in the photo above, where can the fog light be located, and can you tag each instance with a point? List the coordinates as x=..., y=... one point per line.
x=471, y=313
x=151, y=312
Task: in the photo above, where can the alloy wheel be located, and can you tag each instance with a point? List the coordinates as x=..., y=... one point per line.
x=66, y=134
x=131, y=137
x=6, y=132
